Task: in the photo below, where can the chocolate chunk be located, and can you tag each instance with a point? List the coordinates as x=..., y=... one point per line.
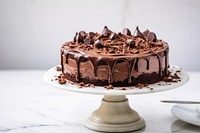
x=146, y=33
x=113, y=36
x=75, y=36
x=126, y=31
x=91, y=34
x=58, y=68
x=80, y=37
x=98, y=44
x=106, y=30
x=138, y=33
x=88, y=40
x=152, y=37
x=131, y=43
x=82, y=33
x=119, y=34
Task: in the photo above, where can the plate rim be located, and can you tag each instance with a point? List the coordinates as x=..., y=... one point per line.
x=184, y=118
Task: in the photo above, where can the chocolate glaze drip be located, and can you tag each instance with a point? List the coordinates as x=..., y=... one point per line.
x=166, y=61
x=111, y=60
x=147, y=59
x=131, y=65
x=160, y=60
x=78, y=68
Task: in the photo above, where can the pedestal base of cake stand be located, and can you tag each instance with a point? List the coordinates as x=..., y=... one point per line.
x=115, y=115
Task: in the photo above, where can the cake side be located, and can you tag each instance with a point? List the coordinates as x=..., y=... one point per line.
x=120, y=59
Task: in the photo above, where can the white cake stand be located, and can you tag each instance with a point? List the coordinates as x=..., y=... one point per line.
x=115, y=114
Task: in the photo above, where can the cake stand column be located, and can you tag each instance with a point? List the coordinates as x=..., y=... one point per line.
x=115, y=115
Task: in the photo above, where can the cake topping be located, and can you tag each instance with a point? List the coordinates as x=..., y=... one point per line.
x=79, y=37
x=112, y=43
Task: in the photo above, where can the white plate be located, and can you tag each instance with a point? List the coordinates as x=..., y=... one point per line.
x=51, y=75
x=187, y=113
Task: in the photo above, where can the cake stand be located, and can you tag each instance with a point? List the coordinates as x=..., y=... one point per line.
x=114, y=113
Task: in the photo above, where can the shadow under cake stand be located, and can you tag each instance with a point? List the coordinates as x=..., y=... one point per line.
x=114, y=113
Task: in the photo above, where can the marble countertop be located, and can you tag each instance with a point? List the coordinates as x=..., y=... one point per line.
x=29, y=105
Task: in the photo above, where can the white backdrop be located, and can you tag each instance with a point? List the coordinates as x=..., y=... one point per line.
x=32, y=31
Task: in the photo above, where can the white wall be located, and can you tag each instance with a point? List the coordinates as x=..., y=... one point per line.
x=32, y=31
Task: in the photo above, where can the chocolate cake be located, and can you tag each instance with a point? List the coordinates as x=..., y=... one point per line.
x=117, y=59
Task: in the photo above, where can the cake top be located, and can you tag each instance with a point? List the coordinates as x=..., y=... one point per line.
x=115, y=44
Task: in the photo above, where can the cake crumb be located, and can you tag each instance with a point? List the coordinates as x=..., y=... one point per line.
x=61, y=81
x=140, y=86
x=58, y=68
x=82, y=84
x=123, y=89
x=109, y=87
x=173, y=77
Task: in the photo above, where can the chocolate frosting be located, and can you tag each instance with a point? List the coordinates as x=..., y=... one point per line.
x=111, y=48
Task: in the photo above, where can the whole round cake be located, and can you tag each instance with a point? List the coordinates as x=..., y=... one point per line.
x=117, y=59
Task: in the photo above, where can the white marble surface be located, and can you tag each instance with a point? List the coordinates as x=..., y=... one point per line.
x=29, y=105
